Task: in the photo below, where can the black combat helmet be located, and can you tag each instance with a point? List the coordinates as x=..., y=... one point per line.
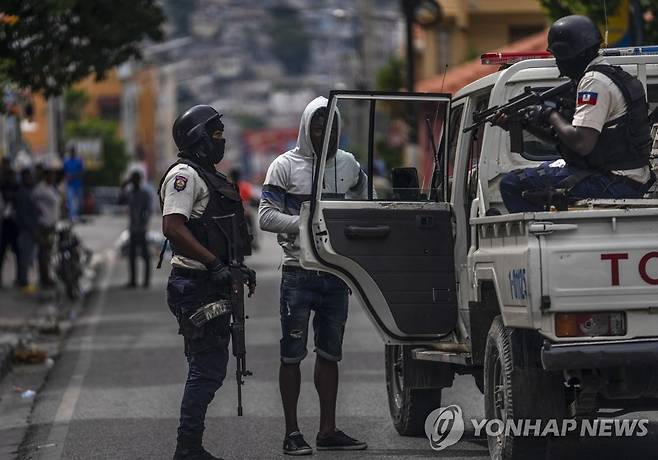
x=192, y=132
x=571, y=36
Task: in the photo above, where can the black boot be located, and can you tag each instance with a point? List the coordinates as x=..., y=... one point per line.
x=190, y=448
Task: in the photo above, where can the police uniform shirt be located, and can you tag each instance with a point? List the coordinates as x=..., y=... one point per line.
x=184, y=192
x=598, y=101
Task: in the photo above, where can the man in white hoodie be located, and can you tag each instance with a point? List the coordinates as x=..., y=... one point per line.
x=288, y=184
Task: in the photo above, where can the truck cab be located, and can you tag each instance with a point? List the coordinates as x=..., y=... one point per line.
x=554, y=313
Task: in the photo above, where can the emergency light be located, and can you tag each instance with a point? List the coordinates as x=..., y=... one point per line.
x=509, y=58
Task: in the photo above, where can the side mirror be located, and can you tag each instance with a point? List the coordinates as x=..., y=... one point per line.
x=405, y=184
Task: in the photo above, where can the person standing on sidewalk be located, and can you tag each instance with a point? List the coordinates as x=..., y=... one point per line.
x=193, y=195
x=74, y=169
x=287, y=185
x=28, y=227
x=140, y=208
x=9, y=227
x=48, y=202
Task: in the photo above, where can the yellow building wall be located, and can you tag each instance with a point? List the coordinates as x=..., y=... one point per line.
x=474, y=27
x=146, y=79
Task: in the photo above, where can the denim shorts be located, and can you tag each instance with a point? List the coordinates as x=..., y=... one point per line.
x=325, y=294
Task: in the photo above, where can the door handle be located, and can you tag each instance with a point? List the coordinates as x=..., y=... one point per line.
x=377, y=231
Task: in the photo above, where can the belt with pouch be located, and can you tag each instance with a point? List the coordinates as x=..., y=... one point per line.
x=189, y=273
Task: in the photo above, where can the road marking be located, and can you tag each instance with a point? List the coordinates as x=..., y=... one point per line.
x=60, y=426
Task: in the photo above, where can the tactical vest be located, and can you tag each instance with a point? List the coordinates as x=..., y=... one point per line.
x=625, y=142
x=223, y=200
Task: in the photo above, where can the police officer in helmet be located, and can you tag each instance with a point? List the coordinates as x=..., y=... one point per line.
x=606, y=145
x=192, y=194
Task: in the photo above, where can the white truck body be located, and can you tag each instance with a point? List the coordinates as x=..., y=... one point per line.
x=514, y=274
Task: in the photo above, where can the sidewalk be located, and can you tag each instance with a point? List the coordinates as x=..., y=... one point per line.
x=25, y=318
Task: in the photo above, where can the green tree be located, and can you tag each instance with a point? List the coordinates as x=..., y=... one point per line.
x=55, y=43
x=390, y=77
x=596, y=11
x=290, y=41
x=74, y=103
x=114, y=157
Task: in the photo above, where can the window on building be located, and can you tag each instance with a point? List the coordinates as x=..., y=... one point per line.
x=109, y=107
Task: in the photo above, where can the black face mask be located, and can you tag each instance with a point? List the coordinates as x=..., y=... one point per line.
x=214, y=148
x=574, y=68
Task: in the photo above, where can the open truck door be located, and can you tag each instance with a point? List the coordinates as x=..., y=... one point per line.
x=390, y=238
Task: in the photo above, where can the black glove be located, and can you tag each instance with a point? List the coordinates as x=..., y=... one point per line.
x=219, y=272
x=249, y=278
x=538, y=114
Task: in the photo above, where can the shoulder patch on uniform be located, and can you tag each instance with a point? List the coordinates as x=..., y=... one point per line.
x=587, y=98
x=180, y=182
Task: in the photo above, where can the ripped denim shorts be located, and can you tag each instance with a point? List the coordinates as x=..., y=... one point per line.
x=327, y=296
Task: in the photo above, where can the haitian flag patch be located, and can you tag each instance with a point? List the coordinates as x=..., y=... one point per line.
x=587, y=98
x=180, y=182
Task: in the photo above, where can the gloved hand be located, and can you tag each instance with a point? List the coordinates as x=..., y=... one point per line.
x=501, y=120
x=249, y=278
x=538, y=114
x=219, y=273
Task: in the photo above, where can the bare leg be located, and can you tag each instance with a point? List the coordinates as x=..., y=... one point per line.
x=326, y=384
x=290, y=380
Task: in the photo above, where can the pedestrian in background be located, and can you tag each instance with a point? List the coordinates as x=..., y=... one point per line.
x=74, y=170
x=9, y=227
x=287, y=185
x=28, y=227
x=140, y=207
x=48, y=201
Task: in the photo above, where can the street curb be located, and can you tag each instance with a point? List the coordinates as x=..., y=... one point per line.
x=6, y=352
x=8, y=347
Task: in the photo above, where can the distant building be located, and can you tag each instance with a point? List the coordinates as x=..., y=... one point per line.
x=261, y=146
x=470, y=28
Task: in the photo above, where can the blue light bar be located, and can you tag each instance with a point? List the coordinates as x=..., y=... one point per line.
x=631, y=51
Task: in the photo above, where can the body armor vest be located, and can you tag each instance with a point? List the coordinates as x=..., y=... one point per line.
x=625, y=142
x=223, y=200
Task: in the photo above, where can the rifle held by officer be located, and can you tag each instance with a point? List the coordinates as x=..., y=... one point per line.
x=238, y=280
x=513, y=110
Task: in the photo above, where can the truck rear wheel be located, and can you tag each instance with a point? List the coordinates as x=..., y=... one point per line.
x=516, y=387
x=414, y=388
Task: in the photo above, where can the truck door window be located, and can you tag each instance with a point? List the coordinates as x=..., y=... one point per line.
x=481, y=102
x=393, y=142
x=455, y=127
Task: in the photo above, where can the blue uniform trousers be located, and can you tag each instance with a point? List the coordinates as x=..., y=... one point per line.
x=596, y=185
x=206, y=347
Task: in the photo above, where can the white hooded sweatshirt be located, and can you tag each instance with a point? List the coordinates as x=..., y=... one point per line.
x=289, y=180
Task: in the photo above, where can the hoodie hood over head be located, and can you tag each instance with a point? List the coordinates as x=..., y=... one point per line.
x=304, y=145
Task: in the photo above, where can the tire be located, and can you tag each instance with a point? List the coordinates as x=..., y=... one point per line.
x=414, y=388
x=516, y=387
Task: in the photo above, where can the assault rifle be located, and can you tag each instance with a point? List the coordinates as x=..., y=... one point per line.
x=237, y=304
x=513, y=110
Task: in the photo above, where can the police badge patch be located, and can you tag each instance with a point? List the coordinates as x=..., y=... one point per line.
x=180, y=182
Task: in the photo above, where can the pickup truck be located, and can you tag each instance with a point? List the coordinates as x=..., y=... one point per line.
x=554, y=314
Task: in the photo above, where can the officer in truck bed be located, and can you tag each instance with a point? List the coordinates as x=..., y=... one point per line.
x=192, y=195
x=606, y=146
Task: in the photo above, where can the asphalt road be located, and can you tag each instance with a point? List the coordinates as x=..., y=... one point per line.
x=115, y=391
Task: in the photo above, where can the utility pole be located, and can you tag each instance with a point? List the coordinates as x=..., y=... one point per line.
x=408, y=8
